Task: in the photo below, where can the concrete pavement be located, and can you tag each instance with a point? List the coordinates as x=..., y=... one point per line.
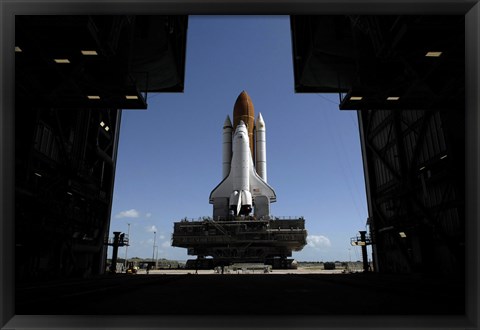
x=173, y=292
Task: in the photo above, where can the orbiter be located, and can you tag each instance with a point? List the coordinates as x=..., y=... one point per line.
x=244, y=186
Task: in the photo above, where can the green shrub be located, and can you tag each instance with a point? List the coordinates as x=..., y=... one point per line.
x=329, y=265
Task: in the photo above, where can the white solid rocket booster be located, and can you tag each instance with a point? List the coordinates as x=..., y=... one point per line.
x=227, y=147
x=261, y=148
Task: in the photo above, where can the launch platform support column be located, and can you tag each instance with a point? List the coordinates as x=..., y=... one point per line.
x=364, y=250
x=113, y=266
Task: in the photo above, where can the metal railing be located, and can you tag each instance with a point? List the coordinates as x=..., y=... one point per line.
x=121, y=242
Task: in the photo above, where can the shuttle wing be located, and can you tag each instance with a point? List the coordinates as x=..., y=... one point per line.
x=257, y=186
x=223, y=189
x=260, y=187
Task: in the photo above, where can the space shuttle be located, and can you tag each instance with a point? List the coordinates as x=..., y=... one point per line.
x=244, y=188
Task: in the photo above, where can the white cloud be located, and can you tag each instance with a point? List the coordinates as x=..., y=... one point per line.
x=128, y=214
x=318, y=241
x=151, y=229
x=148, y=215
x=162, y=237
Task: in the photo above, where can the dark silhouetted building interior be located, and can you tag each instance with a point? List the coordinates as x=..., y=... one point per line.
x=74, y=75
x=405, y=77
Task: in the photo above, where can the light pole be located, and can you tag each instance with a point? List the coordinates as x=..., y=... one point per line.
x=154, y=240
x=349, y=259
x=126, y=247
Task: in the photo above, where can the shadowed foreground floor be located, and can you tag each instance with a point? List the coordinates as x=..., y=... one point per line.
x=235, y=294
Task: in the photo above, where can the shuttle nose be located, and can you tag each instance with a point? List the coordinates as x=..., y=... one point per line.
x=241, y=127
x=241, y=131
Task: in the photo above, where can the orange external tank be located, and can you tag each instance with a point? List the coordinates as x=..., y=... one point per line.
x=243, y=110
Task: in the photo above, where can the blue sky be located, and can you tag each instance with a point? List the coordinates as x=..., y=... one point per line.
x=170, y=155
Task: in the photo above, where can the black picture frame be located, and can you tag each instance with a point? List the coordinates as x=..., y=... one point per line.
x=10, y=8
